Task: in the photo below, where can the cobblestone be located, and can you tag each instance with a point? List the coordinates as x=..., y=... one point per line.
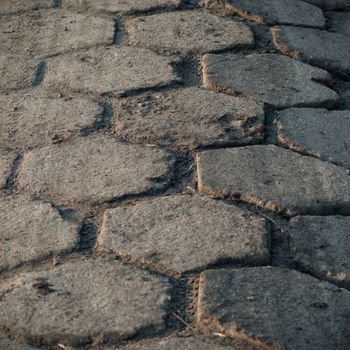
x=274, y=178
x=256, y=303
x=317, y=132
x=8, y=344
x=340, y=22
x=95, y=170
x=321, y=246
x=81, y=300
x=16, y=6
x=277, y=80
x=32, y=230
x=331, y=4
x=295, y=12
x=190, y=118
x=184, y=233
x=110, y=70
x=185, y=31
x=6, y=162
x=32, y=119
x=309, y=45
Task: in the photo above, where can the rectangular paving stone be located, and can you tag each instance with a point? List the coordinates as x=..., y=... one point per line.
x=274, y=79
x=279, y=308
x=16, y=6
x=317, y=132
x=321, y=48
x=95, y=169
x=185, y=233
x=6, y=163
x=99, y=299
x=295, y=12
x=189, y=118
x=37, y=118
x=188, y=31
x=110, y=70
x=276, y=179
x=31, y=230
x=47, y=33
x=320, y=245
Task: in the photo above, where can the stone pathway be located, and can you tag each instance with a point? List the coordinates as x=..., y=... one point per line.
x=174, y=174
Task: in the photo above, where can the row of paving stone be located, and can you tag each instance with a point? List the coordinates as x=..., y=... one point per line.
x=125, y=299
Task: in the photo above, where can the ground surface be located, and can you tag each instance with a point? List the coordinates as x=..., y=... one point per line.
x=174, y=174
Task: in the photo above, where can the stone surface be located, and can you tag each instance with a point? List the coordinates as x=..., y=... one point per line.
x=51, y=32
x=31, y=230
x=276, y=306
x=95, y=169
x=110, y=70
x=6, y=162
x=184, y=233
x=188, y=31
x=339, y=22
x=8, y=344
x=96, y=298
x=321, y=48
x=331, y=4
x=16, y=6
x=275, y=178
x=295, y=12
x=31, y=119
x=121, y=6
x=320, y=245
x=273, y=79
x=317, y=132
x=190, y=118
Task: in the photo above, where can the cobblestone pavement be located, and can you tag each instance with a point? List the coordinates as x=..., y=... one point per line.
x=174, y=174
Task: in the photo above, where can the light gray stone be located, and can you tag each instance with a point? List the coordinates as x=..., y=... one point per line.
x=51, y=32
x=277, y=307
x=16, y=6
x=273, y=79
x=331, y=4
x=316, y=132
x=276, y=179
x=121, y=6
x=190, y=118
x=184, y=233
x=188, y=31
x=295, y=12
x=31, y=119
x=31, y=230
x=8, y=344
x=84, y=299
x=95, y=169
x=339, y=22
x=6, y=162
x=321, y=48
x=320, y=245
x=110, y=70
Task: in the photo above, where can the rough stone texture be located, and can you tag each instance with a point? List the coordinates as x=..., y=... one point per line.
x=188, y=31
x=31, y=119
x=274, y=79
x=52, y=32
x=17, y=72
x=8, y=344
x=294, y=12
x=121, y=6
x=16, y=6
x=31, y=230
x=339, y=22
x=190, y=118
x=95, y=169
x=317, y=132
x=190, y=343
x=283, y=307
x=276, y=179
x=110, y=70
x=331, y=4
x=78, y=300
x=183, y=233
x=321, y=48
x=6, y=162
x=321, y=246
